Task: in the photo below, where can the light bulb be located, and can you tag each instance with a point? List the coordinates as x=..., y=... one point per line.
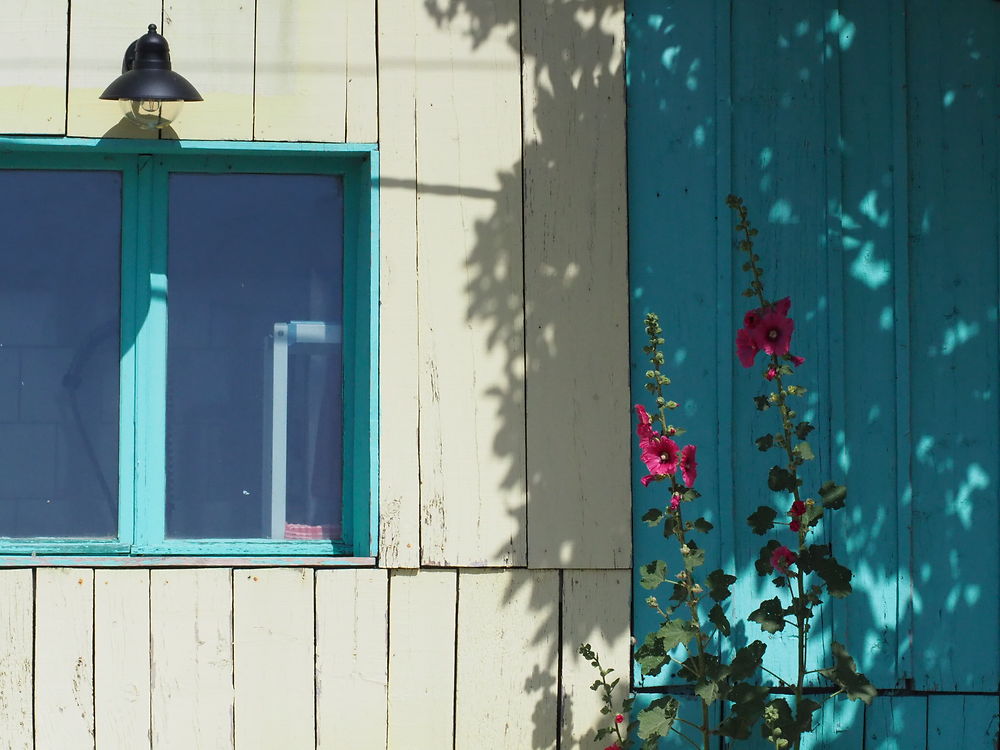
x=150, y=114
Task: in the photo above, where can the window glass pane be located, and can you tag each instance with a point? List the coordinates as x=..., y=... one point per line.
x=59, y=353
x=254, y=374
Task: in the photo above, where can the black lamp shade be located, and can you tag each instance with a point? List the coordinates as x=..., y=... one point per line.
x=146, y=74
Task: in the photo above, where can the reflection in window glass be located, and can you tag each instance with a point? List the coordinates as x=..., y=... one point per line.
x=254, y=374
x=59, y=353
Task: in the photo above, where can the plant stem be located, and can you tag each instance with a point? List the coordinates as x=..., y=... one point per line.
x=685, y=737
x=777, y=677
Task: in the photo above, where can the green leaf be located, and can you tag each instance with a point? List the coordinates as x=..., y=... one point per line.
x=669, y=526
x=804, y=451
x=694, y=557
x=761, y=403
x=802, y=429
x=781, y=480
x=718, y=584
x=748, y=706
x=653, y=574
x=764, y=442
x=814, y=512
x=653, y=516
x=707, y=690
x=763, y=561
x=837, y=578
x=703, y=526
x=805, y=710
x=678, y=594
x=656, y=719
x=844, y=673
x=747, y=660
x=770, y=616
x=718, y=618
x=651, y=655
x=762, y=519
x=601, y=733
x=833, y=495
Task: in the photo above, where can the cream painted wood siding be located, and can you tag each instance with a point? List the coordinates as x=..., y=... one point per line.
x=504, y=465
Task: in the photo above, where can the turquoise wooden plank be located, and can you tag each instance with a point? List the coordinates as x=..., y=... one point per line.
x=953, y=100
x=673, y=202
x=159, y=147
x=865, y=440
x=373, y=400
x=124, y=560
x=127, y=372
x=896, y=723
x=968, y=722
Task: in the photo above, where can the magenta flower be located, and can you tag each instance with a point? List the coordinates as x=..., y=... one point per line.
x=645, y=427
x=675, y=501
x=782, y=306
x=795, y=525
x=773, y=334
x=746, y=347
x=651, y=478
x=782, y=558
x=772, y=372
x=689, y=467
x=796, y=360
x=797, y=509
x=751, y=318
x=660, y=455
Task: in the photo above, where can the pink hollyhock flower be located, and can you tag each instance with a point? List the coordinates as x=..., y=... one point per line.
x=675, y=501
x=660, y=455
x=782, y=306
x=772, y=372
x=774, y=333
x=619, y=718
x=615, y=746
x=798, y=508
x=796, y=360
x=645, y=427
x=689, y=467
x=752, y=318
x=782, y=558
x=651, y=478
x=746, y=347
x=795, y=525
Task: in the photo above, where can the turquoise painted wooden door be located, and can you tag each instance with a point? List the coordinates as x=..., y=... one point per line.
x=864, y=138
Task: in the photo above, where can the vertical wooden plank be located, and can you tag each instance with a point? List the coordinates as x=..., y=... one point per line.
x=274, y=658
x=301, y=71
x=100, y=33
x=421, y=658
x=352, y=652
x=191, y=644
x=33, y=66
x=362, y=72
x=896, y=723
x=399, y=468
x=507, y=658
x=212, y=45
x=470, y=294
x=16, y=659
x=595, y=610
x=965, y=721
x=64, y=668
x=954, y=95
x=575, y=286
x=121, y=659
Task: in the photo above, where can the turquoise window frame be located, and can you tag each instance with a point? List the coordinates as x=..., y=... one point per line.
x=145, y=167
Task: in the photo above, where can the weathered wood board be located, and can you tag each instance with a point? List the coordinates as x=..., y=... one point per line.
x=33, y=75
x=121, y=659
x=212, y=45
x=17, y=619
x=274, y=656
x=421, y=657
x=352, y=649
x=191, y=653
x=470, y=305
x=575, y=279
x=64, y=658
x=399, y=467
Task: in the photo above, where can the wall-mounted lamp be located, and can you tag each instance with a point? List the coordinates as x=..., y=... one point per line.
x=149, y=92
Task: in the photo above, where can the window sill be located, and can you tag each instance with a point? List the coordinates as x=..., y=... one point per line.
x=178, y=561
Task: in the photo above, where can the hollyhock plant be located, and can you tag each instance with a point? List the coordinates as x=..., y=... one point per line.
x=689, y=467
x=660, y=456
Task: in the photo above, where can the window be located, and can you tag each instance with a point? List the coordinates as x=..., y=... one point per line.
x=187, y=349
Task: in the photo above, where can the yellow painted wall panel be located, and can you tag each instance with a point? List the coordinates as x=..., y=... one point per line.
x=121, y=659
x=191, y=642
x=421, y=658
x=64, y=665
x=470, y=281
x=274, y=658
x=399, y=469
x=301, y=71
x=33, y=66
x=100, y=32
x=17, y=592
x=576, y=286
x=352, y=632
x=508, y=663
x=212, y=45
x=362, y=78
